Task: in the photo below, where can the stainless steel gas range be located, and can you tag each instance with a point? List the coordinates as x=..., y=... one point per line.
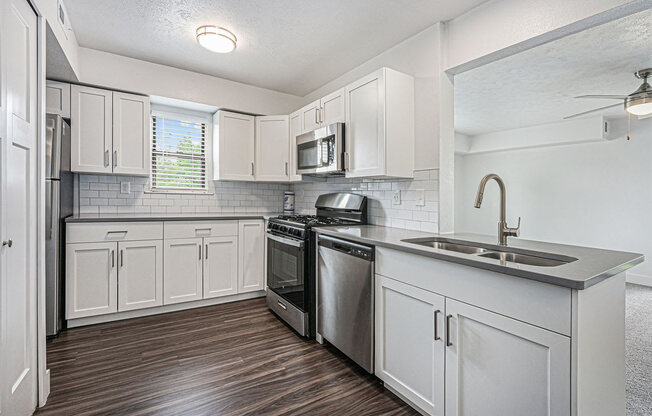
x=291, y=257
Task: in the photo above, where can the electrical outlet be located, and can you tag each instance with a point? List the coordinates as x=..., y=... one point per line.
x=396, y=198
x=421, y=198
x=125, y=187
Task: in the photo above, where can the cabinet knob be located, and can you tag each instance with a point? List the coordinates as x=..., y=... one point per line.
x=8, y=243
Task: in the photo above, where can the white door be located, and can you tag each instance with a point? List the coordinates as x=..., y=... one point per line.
x=272, y=148
x=296, y=129
x=91, y=138
x=498, y=366
x=310, y=116
x=182, y=270
x=220, y=266
x=365, y=126
x=57, y=98
x=91, y=279
x=140, y=274
x=18, y=367
x=131, y=134
x=234, y=146
x=332, y=108
x=251, y=256
x=410, y=349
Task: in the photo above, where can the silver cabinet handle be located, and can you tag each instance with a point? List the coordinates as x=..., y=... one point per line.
x=206, y=252
x=115, y=158
x=106, y=158
x=200, y=252
x=316, y=115
x=8, y=243
x=286, y=168
x=437, y=337
x=448, y=330
x=112, y=258
x=321, y=115
x=252, y=168
x=122, y=258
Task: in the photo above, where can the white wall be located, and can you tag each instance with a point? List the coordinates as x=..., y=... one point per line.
x=417, y=56
x=594, y=194
x=122, y=73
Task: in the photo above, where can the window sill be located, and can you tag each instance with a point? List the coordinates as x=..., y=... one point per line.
x=177, y=192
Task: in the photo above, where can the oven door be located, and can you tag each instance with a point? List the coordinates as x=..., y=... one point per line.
x=286, y=268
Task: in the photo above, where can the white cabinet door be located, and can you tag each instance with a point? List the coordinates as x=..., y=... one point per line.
x=233, y=148
x=498, y=366
x=91, y=140
x=140, y=274
x=91, y=279
x=310, y=116
x=57, y=98
x=131, y=134
x=365, y=126
x=182, y=271
x=296, y=128
x=220, y=266
x=272, y=148
x=251, y=242
x=332, y=108
x=410, y=349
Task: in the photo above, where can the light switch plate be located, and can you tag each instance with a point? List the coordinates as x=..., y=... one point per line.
x=125, y=187
x=421, y=198
x=396, y=198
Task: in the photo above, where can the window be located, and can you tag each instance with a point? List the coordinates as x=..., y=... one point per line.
x=178, y=153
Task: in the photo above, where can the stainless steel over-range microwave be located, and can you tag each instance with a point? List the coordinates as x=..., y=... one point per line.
x=321, y=151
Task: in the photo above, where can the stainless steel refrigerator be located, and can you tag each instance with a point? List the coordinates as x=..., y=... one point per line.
x=58, y=205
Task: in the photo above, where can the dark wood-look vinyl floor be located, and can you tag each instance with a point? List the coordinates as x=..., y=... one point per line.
x=230, y=359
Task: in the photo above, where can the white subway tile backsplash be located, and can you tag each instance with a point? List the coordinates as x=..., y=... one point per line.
x=102, y=194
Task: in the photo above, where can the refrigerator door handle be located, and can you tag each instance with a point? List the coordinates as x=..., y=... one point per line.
x=51, y=208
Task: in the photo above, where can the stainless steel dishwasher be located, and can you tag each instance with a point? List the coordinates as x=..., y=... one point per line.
x=345, y=298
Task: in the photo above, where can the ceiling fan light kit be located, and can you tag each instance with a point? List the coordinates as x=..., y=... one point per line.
x=216, y=39
x=639, y=103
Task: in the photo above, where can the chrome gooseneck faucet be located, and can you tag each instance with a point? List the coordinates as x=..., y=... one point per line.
x=503, y=230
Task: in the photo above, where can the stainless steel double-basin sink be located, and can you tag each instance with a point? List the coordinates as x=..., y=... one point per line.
x=496, y=252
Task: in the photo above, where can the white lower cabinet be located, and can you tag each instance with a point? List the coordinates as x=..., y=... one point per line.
x=499, y=366
x=91, y=279
x=220, y=266
x=251, y=258
x=450, y=358
x=182, y=277
x=140, y=271
x=410, y=343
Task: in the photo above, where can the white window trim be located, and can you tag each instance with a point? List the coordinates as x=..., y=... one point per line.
x=188, y=115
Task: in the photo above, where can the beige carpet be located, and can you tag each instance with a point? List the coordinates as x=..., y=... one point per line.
x=638, y=350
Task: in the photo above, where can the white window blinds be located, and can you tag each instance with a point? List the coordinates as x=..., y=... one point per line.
x=178, y=154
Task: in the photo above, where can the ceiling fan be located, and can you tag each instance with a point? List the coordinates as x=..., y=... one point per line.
x=638, y=103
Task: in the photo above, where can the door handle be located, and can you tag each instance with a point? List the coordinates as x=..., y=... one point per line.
x=200, y=252
x=206, y=252
x=252, y=168
x=106, y=158
x=448, y=330
x=437, y=337
x=321, y=115
x=8, y=243
x=122, y=258
x=112, y=258
x=286, y=168
x=316, y=117
x=115, y=158
x=281, y=305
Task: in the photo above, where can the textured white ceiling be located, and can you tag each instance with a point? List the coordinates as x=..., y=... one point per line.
x=537, y=86
x=293, y=46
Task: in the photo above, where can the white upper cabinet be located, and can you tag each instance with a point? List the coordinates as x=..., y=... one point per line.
x=91, y=119
x=233, y=146
x=296, y=128
x=333, y=108
x=272, y=148
x=380, y=125
x=110, y=131
x=310, y=116
x=57, y=98
x=497, y=366
x=131, y=134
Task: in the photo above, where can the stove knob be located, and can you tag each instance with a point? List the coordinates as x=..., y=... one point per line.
x=284, y=229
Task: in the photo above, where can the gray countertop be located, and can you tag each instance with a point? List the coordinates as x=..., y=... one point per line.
x=76, y=218
x=592, y=265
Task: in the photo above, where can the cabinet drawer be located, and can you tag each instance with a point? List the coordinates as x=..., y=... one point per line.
x=192, y=229
x=113, y=231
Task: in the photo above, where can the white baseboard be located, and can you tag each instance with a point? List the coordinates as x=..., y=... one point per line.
x=639, y=279
x=91, y=320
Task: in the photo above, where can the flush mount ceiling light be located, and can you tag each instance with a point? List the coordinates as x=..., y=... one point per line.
x=216, y=39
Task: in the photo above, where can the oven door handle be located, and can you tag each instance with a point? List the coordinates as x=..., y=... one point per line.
x=288, y=241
